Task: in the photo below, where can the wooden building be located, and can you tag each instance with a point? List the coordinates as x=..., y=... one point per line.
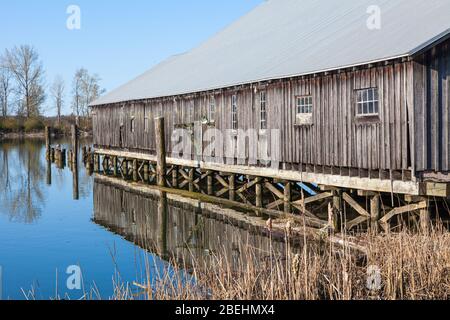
x=357, y=106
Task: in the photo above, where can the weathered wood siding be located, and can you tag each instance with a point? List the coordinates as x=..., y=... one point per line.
x=432, y=100
x=335, y=139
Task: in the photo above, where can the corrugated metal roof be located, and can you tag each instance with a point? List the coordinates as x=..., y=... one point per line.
x=283, y=38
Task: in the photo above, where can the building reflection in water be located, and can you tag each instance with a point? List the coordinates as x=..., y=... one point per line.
x=175, y=227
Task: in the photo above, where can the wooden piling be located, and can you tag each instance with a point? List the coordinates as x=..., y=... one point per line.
x=114, y=164
x=174, y=177
x=75, y=186
x=106, y=165
x=374, y=213
x=146, y=172
x=160, y=151
x=232, y=186
x=259, y=192
x=74, y=130
x=135, y=170
x=163, y=224
x=96, y=161
x=425, y=220
x=48, y=140
x=287, y=197
x=49, y=172
x=210, y=183
x=191, y=179
x=84, y=151
x=333, y=216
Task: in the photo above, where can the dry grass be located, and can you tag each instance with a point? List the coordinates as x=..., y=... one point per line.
x=411, y=266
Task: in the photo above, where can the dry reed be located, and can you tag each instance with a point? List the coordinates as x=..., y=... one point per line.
x=396, y=266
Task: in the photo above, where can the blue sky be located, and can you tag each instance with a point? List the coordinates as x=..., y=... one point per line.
x=118, y=39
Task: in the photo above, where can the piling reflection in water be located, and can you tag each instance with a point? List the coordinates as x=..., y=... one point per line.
x=176, y=227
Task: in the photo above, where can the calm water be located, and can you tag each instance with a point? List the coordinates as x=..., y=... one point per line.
x=43, y=230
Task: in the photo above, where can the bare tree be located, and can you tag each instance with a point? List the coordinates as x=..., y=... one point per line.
x=57, y=93
x=5, y=87
x=85, y=89
x=27, y=69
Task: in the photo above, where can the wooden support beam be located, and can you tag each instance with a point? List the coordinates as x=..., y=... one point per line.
x=247, y=186
x=404, y=209
x=355, y=222
x=318, y=197
x=338, y=181
x=222, y=181
x=274, y=190
x=160, y=151
x=275, y=204
x=361, y=211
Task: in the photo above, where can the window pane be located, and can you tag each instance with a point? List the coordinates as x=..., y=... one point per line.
x=365, y=107
x=370, y=107
x=365, y=95
x=370, y=92
x=376, y=107
x=304, y=105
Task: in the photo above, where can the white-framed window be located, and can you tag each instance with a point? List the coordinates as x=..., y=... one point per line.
x=263, y=110
x=367, y=102
x=146, y=120
x=122, y=115
x=132, y=121
x=234, y=112
x=132, y=125
x=304, y=105
x=212, y=109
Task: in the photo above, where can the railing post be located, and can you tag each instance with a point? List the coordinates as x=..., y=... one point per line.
x=160, y=151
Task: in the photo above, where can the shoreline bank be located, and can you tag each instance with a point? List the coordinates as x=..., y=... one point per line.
x=36, y=135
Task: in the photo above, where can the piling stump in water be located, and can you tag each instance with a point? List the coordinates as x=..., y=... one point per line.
x=74, y=130
x=48, y=141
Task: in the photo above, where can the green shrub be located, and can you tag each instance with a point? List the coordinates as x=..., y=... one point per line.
x=10, y=125
x=33, y=124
